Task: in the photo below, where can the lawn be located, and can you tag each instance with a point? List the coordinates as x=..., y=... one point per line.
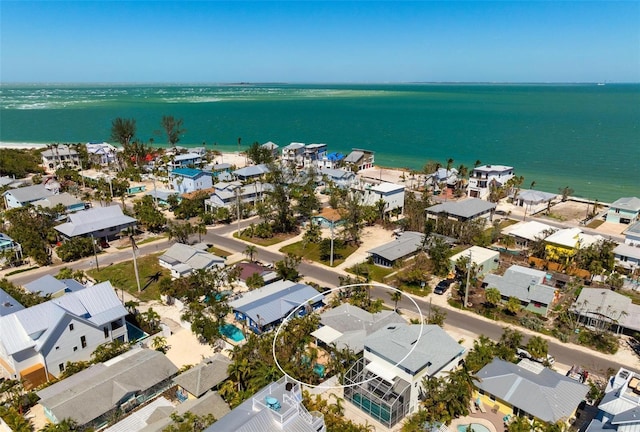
x=277, y=238
x=219, y=252
x=122, y=276
x=377, y=273
x=312, y=252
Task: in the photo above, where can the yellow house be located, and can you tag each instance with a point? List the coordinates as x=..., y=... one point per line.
x=562, y=245
x=528, y=389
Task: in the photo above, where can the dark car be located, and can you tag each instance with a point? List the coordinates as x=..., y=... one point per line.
x=443, y=286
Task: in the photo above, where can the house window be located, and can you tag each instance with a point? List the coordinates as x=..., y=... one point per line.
x=492, y=397
x=71, y=327
x=75, y=348
x=83, y=341
x=618, y=211
x=106, y=332
x=61, y=367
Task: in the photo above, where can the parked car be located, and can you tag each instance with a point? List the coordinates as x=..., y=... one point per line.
x=523, y=353
x=443, y=286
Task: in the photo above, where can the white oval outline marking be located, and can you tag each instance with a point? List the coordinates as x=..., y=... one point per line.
x=320, y=386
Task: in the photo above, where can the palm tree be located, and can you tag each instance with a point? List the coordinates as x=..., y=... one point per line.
x=538, y=347
x=492, y=296
x=66, y=425
x=396, y=296
x=159, y=343
x=201, y=229
x=250, y=251
x=173, y=128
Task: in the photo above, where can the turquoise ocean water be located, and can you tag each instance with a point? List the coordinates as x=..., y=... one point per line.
x=583, y=136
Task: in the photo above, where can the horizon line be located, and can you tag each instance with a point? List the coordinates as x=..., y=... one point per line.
x=254, y=83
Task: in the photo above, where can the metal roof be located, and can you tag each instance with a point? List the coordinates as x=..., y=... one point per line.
x=8, y=304
x=336, y=173
x=522, y=283
x=467, y=208
x=64, y=198
x=94, y=219
x=387, y=187
x=434, y=349
x=60, y=150
x=531, y=196
x=531, y=230
x=547, y=395
x=626, y=203
x=354, y=157
x=187, y=156
x=407, y=243
x=190, y=256
x=251, y=171
x=47, y=284
x=29, y=193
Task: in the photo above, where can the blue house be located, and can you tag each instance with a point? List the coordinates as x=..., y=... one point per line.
x=265, y=308
x=185, y=180
x=625, y=210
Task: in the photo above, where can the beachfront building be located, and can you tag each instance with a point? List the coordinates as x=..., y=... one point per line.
x=186, y=160
x=185, y=180
x=347, y=326
x=627, y=256
x=20, y=197
x=65, y=199
x=442, y=179
x=605, y=309
x=99, y=223
x=386, y=385
x=528, y=389
x=293, y=154
x=462, y=211
x=182, y=259
x=331, y=160
x=337, y=177
x=102, y=153
x=273, y=148
x=37, y=342
x=265, y=308
x=215, y=170
x=313, y=155
x=59, y=155
x=47, y=285
x=525, y=233
x=484, y=177
x=632, y=235
x=92, y=396
x=228, y=194
x=390, y=193
x=275, y=408
x=251, y=172
x=483, y=259
x=618, y=409
x=563, y=244
x=405, y=245
x=625, y=210
x=533, y=201
x=527, y=285
x=359, y=159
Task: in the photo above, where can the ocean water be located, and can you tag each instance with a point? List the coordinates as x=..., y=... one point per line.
x=584, y=136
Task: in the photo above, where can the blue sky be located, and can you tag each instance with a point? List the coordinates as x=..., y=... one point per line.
x=217, y=42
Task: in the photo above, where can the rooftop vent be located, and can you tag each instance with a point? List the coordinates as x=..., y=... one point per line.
x=7, y=304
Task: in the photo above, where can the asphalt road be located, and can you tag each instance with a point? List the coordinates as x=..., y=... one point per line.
x=564, y=353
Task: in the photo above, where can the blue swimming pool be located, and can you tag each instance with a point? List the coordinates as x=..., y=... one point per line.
x=318, y=369
x=232, y=332
x=476, y=427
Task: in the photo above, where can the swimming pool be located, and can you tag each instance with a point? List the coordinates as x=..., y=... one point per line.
x=318, y=369
x=476, y=427
x=232, y=332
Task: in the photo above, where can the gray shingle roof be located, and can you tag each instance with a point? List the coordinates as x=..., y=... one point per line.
x=354, y=157
x=523, y=283
x=407, y=243
x=251, y=171
x=547, y=395
x=531, y=196
x=434, y=349
x=190, y=256
x=30, y=193
x=626, y=203
x=203, y=377
x=95, y=219
x=97, y=393
x=467, y=208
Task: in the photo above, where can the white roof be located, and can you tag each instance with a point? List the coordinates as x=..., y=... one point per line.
x=94, y=219
x=531, y=230
x=479, y=255
x=387, y=187
x=326, y=334
x=573, y=238
x=383, y=371
x=493, y=168
x=627, y=251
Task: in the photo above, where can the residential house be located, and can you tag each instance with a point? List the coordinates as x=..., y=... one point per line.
x=217, y=170
x=99, y=223
x=70, y=203
x=632, y=235
x=293, y=154
x=182, y=259
x=203, y=377
x=102, y=153
x=327, y=218
x=265, y=308
x=483, y=259
x=627, y=256
x=442, y=179
x=37, y=342
x=92, y=396
x=386, y=382
x=347, y=326
x=528, y=389
x=624, y=210
x=314, y=154
x=528, y=232
x=185, y=160
x=484, y=177
x=527, y=285
x=248, y=269
x=186, y=180
x=60, y=155
x=390, y=193
x=229, y=194
x=462, y=211
x=359, y=159
x=603, y=308
x=331, y=160
x=533, y=201
x=20, y=197
x=251, y=172
x=275, y=408
x=7, y=243
x=47, y=285
x=619, y=409
x=8, y=305
x=273, y=148
x=339, y=177
x=11, y=182
x=162, y=196
x=564, y=243
x=405, y=245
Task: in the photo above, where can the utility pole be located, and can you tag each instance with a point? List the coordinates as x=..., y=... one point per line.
x=134, y=248
x=238, y=208
x=466, y=288
x=95, y=255
x=331, y=259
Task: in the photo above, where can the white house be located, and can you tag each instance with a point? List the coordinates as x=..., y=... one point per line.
x=485, y=260
x=104, y=153
x=533, y=201
x=483, y=177
x=187, y=159
x=530, y=231
x=182, y=259
x=625, y=210
x=627, y=256
x=37, y=342
x=314, y=154
x=386, y=382
x=632, y=235
x=228, y=194
x=339, y=177
x=20, y=197
x=293, y=154
x=60, y=155
x=99, y=223
x=186, y=180
x=392, y=194
x=618, y=409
